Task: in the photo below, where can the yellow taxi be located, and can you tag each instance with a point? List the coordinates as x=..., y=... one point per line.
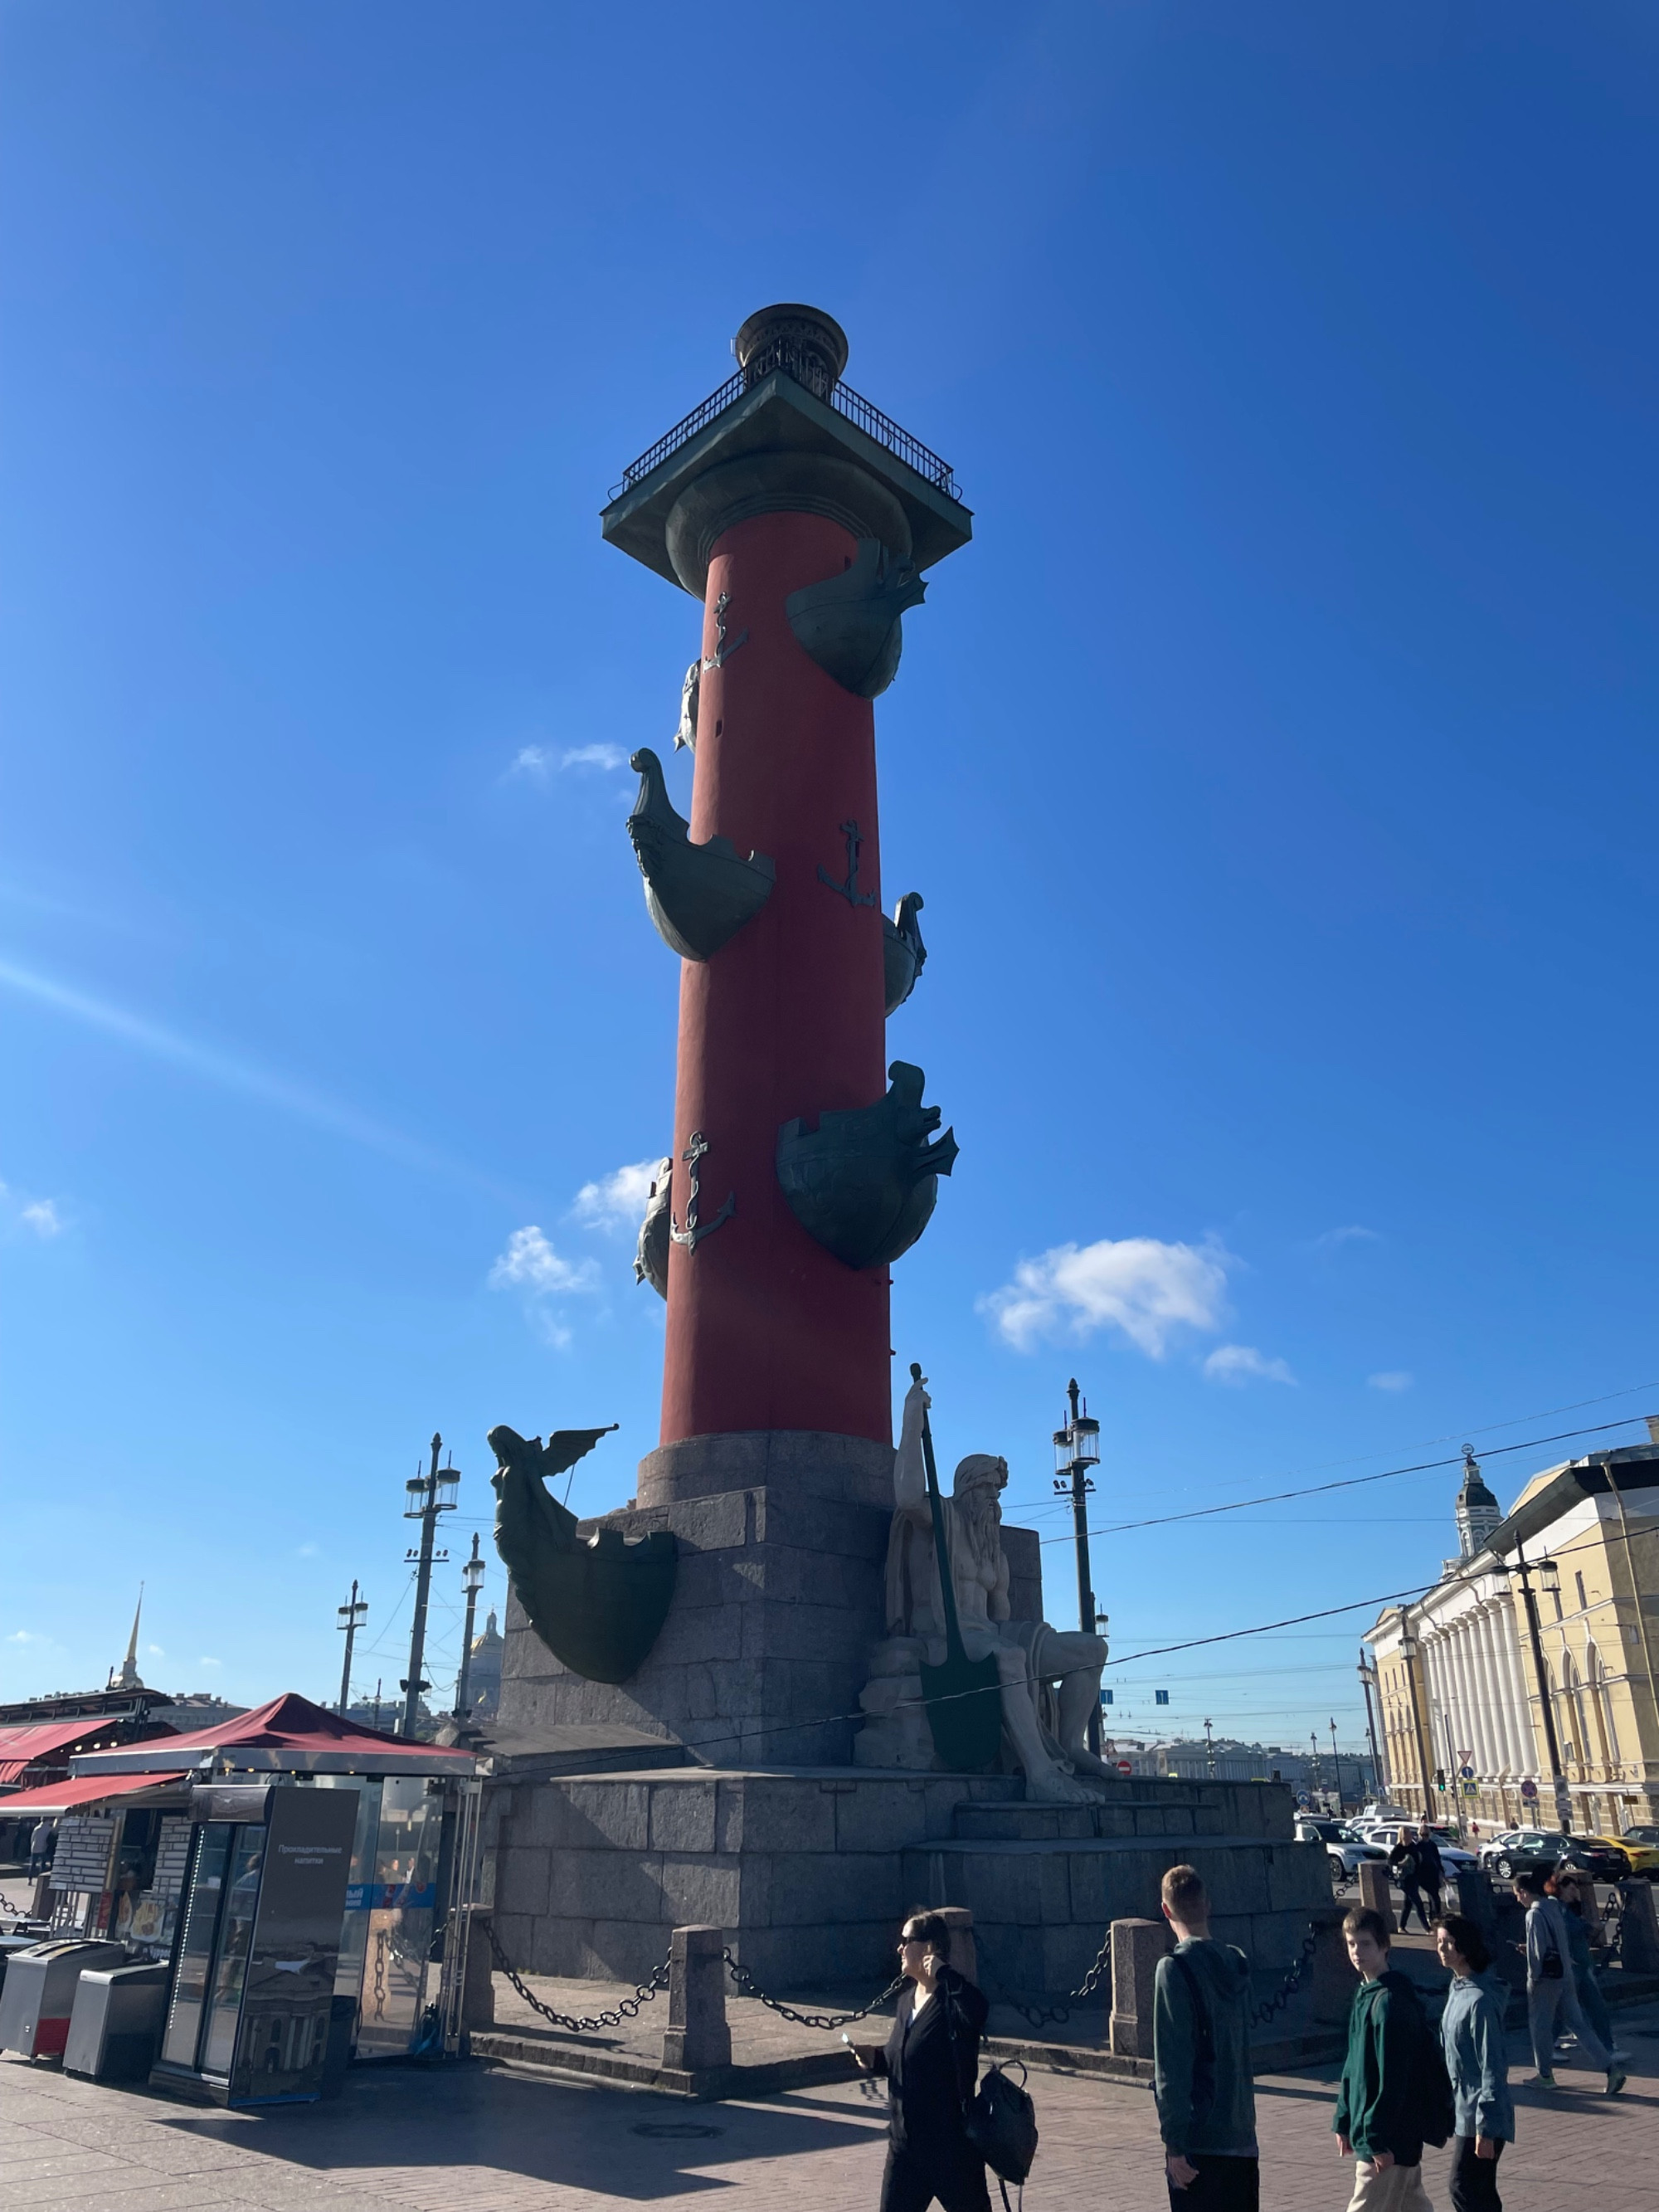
x=1641, y=1857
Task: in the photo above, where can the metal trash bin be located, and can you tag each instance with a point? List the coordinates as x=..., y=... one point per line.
x=38, y=1995
x=115, y=2026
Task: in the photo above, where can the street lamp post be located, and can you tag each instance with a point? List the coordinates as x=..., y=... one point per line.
x=429, y=1495
x=1409, y=1647
x=1077, y=1449
x=1209, y=1750
x=1336, y=1765
x=353, y=1614
x=472, y=1575
x=1549, y=1578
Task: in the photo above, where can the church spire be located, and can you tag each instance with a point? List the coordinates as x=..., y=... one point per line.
x=128, y=1677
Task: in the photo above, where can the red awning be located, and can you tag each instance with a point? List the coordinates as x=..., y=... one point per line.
x=23, y=1742
x=84, y=1789
x=290, y=1735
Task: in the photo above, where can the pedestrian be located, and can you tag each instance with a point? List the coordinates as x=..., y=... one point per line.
x=1430, y=1870
x=1551, y=1989
x=1404, y=1867
x=1202, y=2059
x=1382, y=2114
x=1477, y=2059
x=1571, y=1888
x=931, y=2060
x=40, y=1843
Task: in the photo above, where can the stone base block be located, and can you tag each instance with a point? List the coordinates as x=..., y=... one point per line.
x=808, y=1871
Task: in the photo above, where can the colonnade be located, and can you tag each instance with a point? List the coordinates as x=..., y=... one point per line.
x=1476, y=1681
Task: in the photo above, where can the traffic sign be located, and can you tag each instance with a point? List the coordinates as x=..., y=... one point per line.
x=1124, y=1766
x=1466, y=1771
x=1530, y=1790
x=1470, y=1790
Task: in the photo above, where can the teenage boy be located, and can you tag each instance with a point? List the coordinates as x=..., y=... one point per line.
x=1552, y=1993
x=1202, y=2059
x=1379, y=2115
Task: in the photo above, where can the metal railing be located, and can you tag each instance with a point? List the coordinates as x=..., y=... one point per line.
x=807, y=372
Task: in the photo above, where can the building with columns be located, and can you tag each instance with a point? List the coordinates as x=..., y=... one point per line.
x=1458, y=1673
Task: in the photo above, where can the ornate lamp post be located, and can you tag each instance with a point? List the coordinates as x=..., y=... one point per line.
x=472, y=1575
x=1410, y=1647
x=1077, y=1449
x=353, y=1614
x=1549, y=1579
x=429, y=1495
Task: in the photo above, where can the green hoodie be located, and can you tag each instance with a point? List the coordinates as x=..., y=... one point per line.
x=1376, y=2107
x=1224, y=2124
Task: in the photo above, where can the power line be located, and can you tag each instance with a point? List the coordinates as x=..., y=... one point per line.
x=1348, y=1482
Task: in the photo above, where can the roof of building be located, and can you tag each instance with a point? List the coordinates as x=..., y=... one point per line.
x=82, y=1791
x=24, y=1746
x=289, y=1735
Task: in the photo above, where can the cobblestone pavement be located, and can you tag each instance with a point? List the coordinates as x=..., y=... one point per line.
x=493, y=2139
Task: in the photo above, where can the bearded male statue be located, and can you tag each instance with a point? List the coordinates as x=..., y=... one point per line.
x=1045, y=1728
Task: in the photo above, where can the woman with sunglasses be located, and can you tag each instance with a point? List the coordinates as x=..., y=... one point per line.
x=931, y=2060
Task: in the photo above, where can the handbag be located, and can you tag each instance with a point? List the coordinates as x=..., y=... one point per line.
x=999, y=2120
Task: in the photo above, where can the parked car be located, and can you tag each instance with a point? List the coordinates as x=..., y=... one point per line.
x=1545, y=1847
x=1638, y=1858
x=1346, y=1851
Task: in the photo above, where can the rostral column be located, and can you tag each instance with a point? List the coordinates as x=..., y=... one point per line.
x=802, y=518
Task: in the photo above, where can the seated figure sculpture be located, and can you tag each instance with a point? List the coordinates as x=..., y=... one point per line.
x=1045, y=1728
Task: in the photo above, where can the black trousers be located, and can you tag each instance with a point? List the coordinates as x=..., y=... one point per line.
x=1224, y=2184
x=1414, y=1900
x=1474, y=2180
x=918, y=2172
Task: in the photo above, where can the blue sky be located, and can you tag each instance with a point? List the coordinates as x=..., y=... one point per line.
x=1277, y=766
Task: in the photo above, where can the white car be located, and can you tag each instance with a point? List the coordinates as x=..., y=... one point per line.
x=1346, y=1851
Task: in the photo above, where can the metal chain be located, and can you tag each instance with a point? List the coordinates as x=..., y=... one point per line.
x=748, y=1987
x=584, y=2024
x=1039, y=2016
x=1292, y=1982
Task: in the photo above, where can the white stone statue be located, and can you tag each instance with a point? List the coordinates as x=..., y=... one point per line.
x=1046, y=1728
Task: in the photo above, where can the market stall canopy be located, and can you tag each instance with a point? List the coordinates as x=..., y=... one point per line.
x=24, y=1745
x=85, y=1790
x=288, y=1735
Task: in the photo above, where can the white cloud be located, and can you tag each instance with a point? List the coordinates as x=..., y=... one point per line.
x=25, y=1636
x=530, y=1263
x=617, y=1200
x=154, y=1651
x=1391, y=1378
x=307, y=1551
x=1353, y=1233
x=1243, y=1363
x=42, y=1218
x=541, y=761
x=1145, y=1290
x=210, y=1662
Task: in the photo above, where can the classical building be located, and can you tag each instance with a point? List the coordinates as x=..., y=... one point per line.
x=485, y=1676
x=1470, y=1728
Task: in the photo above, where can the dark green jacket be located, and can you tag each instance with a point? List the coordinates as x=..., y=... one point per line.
x=1225, y=2124
x=1377, y=2105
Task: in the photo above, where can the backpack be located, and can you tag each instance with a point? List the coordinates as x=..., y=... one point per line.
x=1433, y=2103
x=1204, y=2042
x=999, y=2120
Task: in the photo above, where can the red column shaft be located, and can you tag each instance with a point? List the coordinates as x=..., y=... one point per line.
x=766, y=1330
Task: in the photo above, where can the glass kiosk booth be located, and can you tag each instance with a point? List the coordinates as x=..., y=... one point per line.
x=258, y=1944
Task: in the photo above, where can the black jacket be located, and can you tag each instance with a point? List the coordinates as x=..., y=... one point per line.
x=932, y=2067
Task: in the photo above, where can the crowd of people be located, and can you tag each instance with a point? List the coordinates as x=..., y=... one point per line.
x=1407, y=2080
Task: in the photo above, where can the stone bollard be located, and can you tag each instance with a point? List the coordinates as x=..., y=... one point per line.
x=1638, y=1929
x=1375, y=1894
x=697, y=2036
x=479, y=1988
x=1137, y=1947
x=1333, y=1979
x=964, y=1952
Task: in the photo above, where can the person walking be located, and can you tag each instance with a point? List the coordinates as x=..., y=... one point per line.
x=1551, y=1990
x=1404, y=1867
x=931, y=2060
x=1430, y=1870
x=1381, y=2118
x=1571, y=1890
x=1201, y=2060
x=1477, y=2059
x=40, y=1843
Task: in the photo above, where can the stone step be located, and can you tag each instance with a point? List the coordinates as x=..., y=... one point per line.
x=1148, y=1816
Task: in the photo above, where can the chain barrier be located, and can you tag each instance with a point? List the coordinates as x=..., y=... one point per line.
x=1292, y=1982
x=748, y=1987
x=1042, y=2016
x=583, y=2024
